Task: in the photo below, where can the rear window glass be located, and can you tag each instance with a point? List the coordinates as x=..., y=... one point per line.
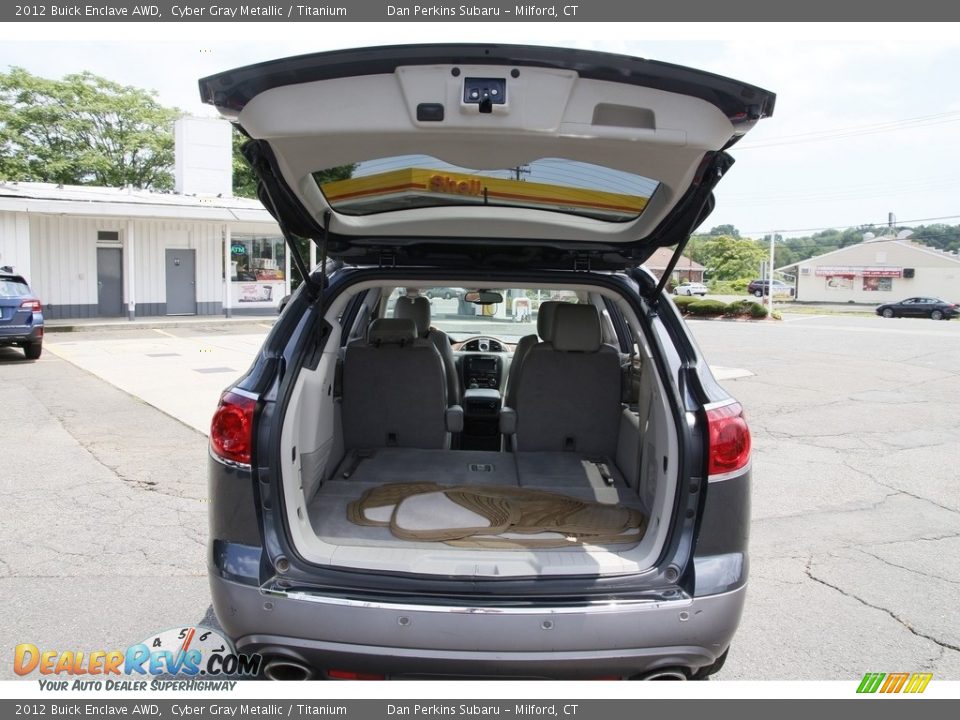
x=510, y=319
x=421, y=181
x=13, y=287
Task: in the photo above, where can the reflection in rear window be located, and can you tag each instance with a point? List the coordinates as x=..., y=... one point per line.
x=419, y=181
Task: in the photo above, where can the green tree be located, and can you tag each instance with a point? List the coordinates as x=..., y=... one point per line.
x=725, y=230
x=729, y=258
x=245, y=181
x=83, y=130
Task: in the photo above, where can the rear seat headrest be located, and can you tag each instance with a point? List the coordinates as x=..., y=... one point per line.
x=545, y=319
x=576, y=328
x=395, y=331
x=416, y=309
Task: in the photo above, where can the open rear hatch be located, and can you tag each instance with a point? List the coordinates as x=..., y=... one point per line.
x=494, y=154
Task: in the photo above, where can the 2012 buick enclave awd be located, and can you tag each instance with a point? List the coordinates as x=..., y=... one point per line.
x=538, y=477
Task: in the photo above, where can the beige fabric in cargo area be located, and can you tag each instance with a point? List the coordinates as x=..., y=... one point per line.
x=495, y=516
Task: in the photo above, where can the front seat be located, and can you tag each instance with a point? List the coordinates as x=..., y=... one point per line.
x=417, y=308
x=545, y=332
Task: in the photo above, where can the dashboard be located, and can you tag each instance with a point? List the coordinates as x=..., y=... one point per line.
x=483, y=344
x=482, y=361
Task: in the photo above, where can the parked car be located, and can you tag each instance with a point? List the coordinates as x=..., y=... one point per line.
x=444, y=293
x=933, y=308
x=690, y=288
x=385, y=506
x=21, y=314
x=759, y=288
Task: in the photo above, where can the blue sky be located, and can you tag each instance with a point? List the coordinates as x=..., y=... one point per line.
x=867, y=119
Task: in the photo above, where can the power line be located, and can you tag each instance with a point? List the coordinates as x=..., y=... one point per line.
x=847, y=227
x=855, y=130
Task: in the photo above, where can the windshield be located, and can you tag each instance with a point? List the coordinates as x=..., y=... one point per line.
x=509, y=320
x=418, y=181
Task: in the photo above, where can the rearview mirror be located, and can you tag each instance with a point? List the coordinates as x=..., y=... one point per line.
x=483, y=297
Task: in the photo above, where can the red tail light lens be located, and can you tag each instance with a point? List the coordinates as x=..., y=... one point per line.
x=350, y=675
x=729, y=439
x=31, y=305
x=231, y=432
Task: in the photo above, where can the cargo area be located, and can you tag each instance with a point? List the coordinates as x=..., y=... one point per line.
x=572, y=473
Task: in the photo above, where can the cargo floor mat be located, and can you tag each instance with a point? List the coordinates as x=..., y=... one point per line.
x=493, y=516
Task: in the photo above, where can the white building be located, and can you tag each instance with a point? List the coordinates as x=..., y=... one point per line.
x=116, y=252
x=876, y=271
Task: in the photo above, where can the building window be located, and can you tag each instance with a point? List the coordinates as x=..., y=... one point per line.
x=881, y=284
x=255, y=258
x=108, y=236
x=839, y=282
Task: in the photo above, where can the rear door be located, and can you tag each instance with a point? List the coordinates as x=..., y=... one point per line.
x=510, y=152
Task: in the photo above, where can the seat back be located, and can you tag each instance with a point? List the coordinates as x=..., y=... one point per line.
x=394, y=389
x=568, y=390
x=545, y=317
x=418, y=309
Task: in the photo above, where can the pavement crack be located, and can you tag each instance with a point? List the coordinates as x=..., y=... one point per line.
x=906, y=625
x=908, y=569
x=898, y=490
x=934, y=538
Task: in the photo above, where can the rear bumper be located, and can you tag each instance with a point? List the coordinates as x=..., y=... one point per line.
x=402, y=640
x=17, y=334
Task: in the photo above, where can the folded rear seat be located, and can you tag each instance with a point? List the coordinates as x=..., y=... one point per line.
x=395, y=391
x=568, y=390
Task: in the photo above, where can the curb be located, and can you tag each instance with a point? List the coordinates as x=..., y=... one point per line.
x=68, y=327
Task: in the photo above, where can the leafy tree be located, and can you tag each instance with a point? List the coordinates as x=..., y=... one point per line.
x=725, y=230
x=245, y=182
x=83, y=130
x=729, y=258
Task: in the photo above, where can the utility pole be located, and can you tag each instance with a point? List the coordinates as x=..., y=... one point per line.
x=773, y=238
x=521, y=170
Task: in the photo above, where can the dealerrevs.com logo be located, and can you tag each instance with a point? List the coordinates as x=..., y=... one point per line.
x=180, y=658
x=894, y=682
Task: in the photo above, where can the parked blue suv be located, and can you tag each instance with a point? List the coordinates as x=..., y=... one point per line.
x=21, y=314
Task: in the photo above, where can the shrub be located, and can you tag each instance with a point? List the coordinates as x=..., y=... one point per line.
x=728, y=287
x=757, y=311
x=738, y=308
x=707, y=307
x=684, y=301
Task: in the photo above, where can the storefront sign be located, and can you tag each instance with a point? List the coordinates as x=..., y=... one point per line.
x=447, y=184
x=859, y=271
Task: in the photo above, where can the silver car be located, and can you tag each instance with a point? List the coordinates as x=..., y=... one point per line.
x=539, y=479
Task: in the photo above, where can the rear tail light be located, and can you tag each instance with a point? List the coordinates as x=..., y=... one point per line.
x=31, y=305
x=350, y=675
x=231, y=432
x=729, y=439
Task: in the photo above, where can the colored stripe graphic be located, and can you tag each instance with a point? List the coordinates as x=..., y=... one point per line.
x=894, y=682
x=918, y=682
x=870, y=682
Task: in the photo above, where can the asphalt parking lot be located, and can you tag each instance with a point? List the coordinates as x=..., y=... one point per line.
x=856, y=532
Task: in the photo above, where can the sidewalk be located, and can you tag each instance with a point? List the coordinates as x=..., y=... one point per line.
x=92, y=324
